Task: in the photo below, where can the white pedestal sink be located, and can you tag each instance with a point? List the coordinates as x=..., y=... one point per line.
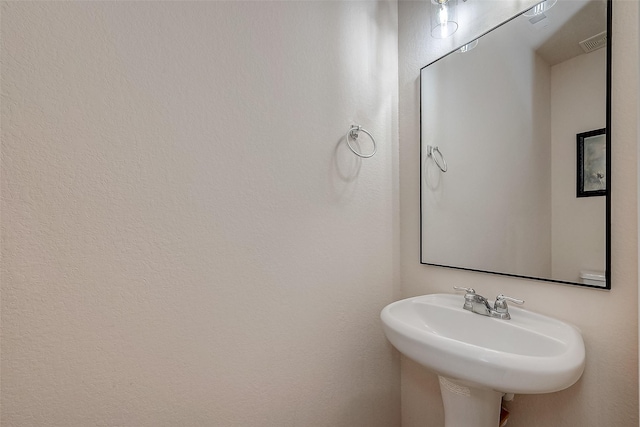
x=480, y=358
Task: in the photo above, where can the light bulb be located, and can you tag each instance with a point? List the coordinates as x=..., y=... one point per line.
x=540, y=8
x=443, y=14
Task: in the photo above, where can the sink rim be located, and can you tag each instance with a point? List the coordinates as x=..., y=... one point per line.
x=499, y=370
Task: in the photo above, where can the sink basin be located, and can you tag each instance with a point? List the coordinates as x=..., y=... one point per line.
x=528, y=354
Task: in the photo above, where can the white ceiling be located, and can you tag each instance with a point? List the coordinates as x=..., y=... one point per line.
x=567, y=24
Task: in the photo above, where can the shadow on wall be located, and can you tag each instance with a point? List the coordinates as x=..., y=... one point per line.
x=346, y=168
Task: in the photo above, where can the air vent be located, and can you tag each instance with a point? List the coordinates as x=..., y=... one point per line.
x=595, y=42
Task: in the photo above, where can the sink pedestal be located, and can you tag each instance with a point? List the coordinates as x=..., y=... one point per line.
x=468, y=406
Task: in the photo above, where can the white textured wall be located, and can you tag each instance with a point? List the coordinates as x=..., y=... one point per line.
x=607, y=394
x=578, y=93
x=185, y=238
x=507, y=187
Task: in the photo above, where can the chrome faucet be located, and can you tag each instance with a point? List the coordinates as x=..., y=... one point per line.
x=480, y=305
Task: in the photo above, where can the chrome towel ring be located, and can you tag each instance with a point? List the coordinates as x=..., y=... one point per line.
x=353, y=134
x=431, y=152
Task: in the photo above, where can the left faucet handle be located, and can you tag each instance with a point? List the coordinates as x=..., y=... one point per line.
x=469, y=297
x=467, y=290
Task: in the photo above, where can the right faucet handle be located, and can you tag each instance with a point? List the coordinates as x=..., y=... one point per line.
x=501, y=303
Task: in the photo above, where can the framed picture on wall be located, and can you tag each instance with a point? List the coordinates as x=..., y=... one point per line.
x=592, y=163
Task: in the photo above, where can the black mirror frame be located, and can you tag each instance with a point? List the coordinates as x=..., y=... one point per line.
x=607, y=192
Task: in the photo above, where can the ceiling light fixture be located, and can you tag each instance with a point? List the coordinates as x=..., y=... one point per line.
x=443, y=18
x=540, y=8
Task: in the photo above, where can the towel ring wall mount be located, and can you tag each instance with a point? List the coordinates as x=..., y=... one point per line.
x=352, y=134
x=438, y=158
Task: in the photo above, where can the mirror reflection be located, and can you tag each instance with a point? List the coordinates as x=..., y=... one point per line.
x=505, y=114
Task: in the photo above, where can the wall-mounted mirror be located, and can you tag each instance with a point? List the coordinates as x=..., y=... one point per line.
x=508, y=118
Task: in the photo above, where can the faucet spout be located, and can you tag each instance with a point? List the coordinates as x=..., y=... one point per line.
x=474, y=302
x=480, y=305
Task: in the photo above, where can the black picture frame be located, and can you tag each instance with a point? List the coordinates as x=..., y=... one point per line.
x=591, y=163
